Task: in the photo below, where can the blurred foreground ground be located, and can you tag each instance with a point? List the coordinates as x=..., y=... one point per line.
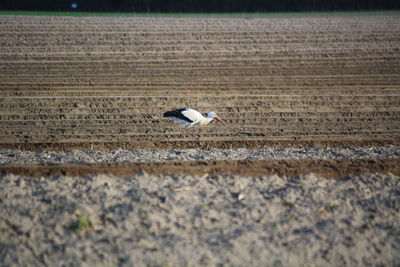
x=172, y=220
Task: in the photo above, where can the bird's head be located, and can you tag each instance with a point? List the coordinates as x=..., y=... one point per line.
x=213, y=115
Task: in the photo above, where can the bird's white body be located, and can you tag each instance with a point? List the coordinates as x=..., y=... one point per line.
x=189, y=117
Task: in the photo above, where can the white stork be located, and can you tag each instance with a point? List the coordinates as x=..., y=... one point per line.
x=189, y=117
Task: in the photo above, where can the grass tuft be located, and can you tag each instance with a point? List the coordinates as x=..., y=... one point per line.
x=82, y=224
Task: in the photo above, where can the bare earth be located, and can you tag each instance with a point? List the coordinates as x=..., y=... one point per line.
x=305, y=171
x=103, y=83
x=184, y=220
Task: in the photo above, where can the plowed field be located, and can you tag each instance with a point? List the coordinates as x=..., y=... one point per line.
x=299, y=94
x=104, y=82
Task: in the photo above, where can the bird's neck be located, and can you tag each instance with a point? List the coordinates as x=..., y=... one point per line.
x=206, y=121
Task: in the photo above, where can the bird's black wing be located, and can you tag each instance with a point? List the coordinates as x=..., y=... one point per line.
x=177, y=113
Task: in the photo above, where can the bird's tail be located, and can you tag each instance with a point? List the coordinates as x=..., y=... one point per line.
x=174, y=113
x=167, y=114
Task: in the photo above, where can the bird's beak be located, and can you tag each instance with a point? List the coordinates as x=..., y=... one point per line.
x=219, y=119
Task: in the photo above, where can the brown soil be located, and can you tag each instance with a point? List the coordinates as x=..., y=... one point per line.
x=325, y=168
x=104, y=82
x=284, y=81
x=223, y=144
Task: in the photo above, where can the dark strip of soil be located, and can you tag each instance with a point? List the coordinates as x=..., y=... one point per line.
x=327, y=168
x=206, y=144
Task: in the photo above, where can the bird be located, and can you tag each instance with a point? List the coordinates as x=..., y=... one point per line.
x=189, y=117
